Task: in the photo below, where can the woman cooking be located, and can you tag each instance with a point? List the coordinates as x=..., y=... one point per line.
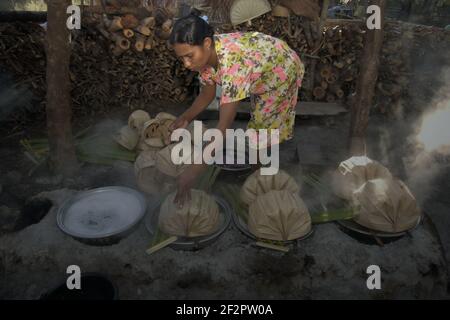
x=244, y=65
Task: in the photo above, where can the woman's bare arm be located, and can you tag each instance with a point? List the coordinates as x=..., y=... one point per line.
x=202, y=101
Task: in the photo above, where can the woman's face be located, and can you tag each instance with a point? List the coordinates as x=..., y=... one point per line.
x=194, y=58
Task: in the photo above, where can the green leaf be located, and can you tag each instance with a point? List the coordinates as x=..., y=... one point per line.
x=332, y=215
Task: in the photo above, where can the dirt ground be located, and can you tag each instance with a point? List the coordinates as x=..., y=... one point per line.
x=330, y=264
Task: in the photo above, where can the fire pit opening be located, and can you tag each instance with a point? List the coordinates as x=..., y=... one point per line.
x=33, y=212
x=93, y=287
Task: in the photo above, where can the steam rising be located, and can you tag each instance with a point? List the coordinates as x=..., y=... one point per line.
x=435, y=131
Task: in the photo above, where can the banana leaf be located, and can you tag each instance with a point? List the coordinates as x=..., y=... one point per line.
x=231, y=193
x=207, y=179
x=332, y=215
x=331, y=208
x=90, y=147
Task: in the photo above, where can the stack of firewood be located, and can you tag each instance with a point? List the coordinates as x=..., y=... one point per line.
x=127, y=32
x=338, y=58
x=138, y=41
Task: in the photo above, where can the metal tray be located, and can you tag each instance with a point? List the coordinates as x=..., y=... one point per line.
x=242, y=226
x=195, y=243
x=99, y=229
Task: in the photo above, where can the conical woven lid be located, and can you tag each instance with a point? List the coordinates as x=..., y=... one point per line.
x=258, y=184
x=198, y=217
x=137, y=119
x=354, y=172
x=165, y=116
x=145, y=159
x=149, y=179
x=165, y=164
x=156, y=132
x=386, y=205
x=279, y=215
x=244, y=10
x=152, y=133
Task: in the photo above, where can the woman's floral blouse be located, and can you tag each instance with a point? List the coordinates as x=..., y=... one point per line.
x=263, y=67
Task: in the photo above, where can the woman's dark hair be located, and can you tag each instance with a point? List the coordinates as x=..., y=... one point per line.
x=191, y=30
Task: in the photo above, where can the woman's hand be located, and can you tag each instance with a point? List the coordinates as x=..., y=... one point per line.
x=200, y=103
x=181, y=122
x=186, y=182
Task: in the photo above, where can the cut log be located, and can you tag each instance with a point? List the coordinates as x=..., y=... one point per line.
x=339, y=64
x=115, y=24
x=326, y=72
x=167, y=26
x=319, y=93
x=144, y=30
x=149, y=22
x=140, y=43
x=149, y=43
x=129, y=21
x=120, y=41
x=336, y=89
x=331, y=79
x=128, y=33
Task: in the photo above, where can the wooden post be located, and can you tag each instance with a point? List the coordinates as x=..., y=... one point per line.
x=59, y=113
x=365, y=87
x=312, y=65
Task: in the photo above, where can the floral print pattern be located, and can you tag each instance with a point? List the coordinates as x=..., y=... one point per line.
x=264, y=68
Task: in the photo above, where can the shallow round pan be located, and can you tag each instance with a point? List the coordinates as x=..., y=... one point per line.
x=102, y=215
x=184, y=243
x=231, y=156
x=242, y=226
x=353, y=226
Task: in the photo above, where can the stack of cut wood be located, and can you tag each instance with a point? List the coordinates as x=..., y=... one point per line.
x=393, y=76
x=100, y=80
x=144, y=32
x=337, y=67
